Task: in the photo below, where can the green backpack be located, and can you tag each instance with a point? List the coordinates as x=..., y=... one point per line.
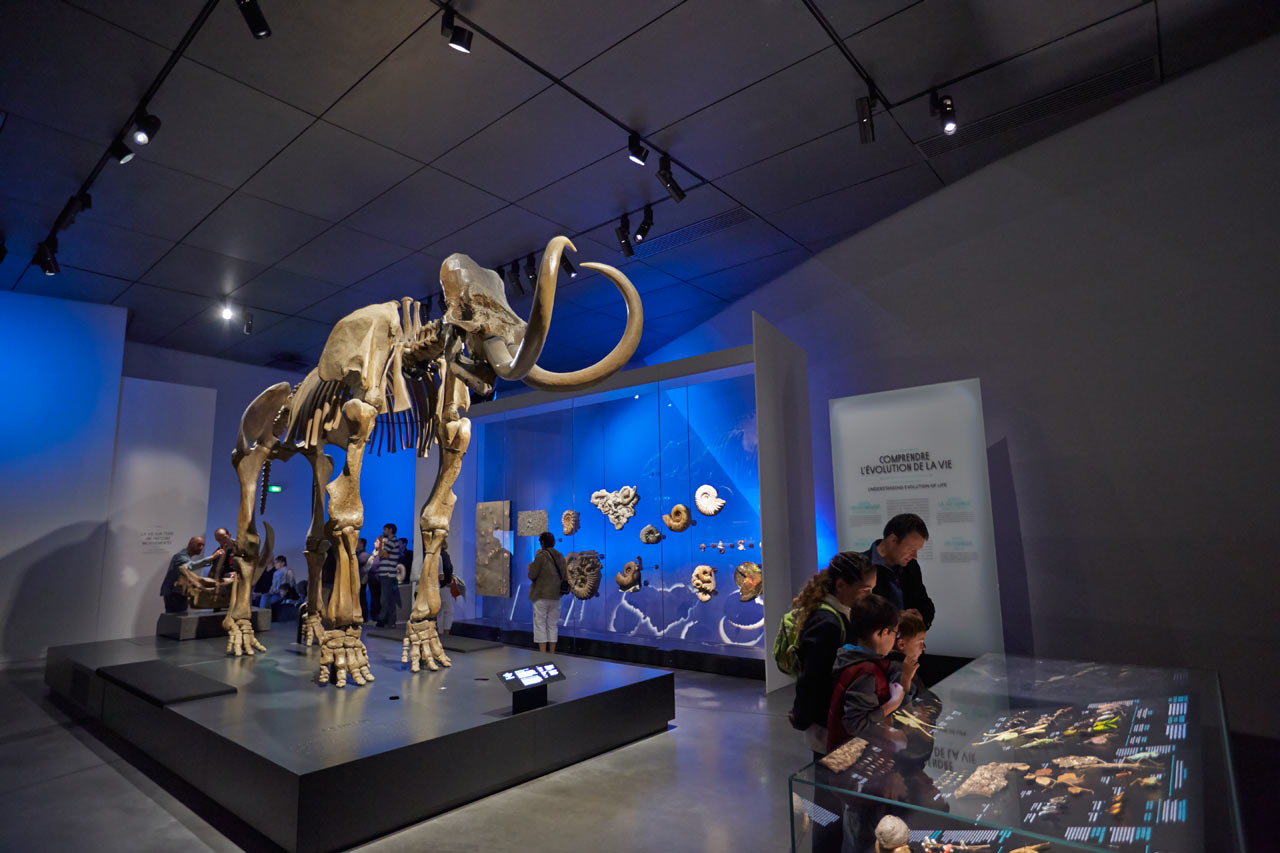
x=785, y=644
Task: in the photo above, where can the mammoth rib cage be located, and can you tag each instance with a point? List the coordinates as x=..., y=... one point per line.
x=320, y=410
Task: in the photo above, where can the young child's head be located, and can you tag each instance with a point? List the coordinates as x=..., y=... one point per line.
x=910, y=635
x=873, y=621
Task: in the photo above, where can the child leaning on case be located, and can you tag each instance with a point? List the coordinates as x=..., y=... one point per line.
x=867, y=689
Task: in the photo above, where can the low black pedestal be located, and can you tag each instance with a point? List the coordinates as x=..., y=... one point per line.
x=200, y=624
x=528, y=699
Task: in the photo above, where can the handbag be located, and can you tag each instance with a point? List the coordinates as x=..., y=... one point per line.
x=564, y=583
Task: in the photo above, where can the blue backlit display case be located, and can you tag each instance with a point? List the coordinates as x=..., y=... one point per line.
x=1020, y=754
x=664, y=439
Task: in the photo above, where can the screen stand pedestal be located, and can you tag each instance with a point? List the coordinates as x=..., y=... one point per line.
x=528, y=699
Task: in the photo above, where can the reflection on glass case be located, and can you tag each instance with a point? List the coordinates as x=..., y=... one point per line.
x=1018, y=754
x=654, y=483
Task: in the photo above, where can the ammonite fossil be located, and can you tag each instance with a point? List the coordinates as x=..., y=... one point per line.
x=584, y=574
x=617, y=506
x=629, y=577
x=650, y=535
x=704, y=582
x=748, y=577
x=569, y=521
x=707, y=500
x=679, y=519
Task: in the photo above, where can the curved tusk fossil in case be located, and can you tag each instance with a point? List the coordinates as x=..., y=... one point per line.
x=707, y=500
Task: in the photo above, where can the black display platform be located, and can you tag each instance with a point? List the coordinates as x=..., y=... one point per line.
x=302, y=763
x=199, y=624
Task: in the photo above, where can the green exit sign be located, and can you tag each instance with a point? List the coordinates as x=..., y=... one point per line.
x=275, y=488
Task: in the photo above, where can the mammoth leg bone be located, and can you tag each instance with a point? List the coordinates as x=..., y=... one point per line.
x=422, y=641
x=238, y=623
x=341, y=651
x=317, y=546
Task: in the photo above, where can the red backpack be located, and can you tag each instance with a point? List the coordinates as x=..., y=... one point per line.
x=836, y=735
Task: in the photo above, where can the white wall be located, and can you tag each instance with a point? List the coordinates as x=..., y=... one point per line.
x=1115, y=288
x=62, y=369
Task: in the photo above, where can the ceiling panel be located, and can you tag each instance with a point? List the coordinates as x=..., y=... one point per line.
x=1113, y=44
x=695, y=55
x=543, y=139
x=835, y=216
x=72, y=284
x=195, y=270
x=163, y=23
x=291, y=336
x=280, y=290
x=425, y=98
x=500, y=237
x=806, y=100
x=736, y=282
x=217, y=128
x=603, y=191
x=208, y=334
x=597, y=291
x=68, y=70
x=953, y=39
x=329, y=311
x=343, y=256
x=42, y=165
x=559, y=38
x=669, y=300
x=701, y=202
x=848, y=18
x=154, y=311
x=739, y=244
x=816, y=168
x=254, y=229
x=417, y=275
x=152, y=199
x=317, y=51
x=1196, y=32
x=330, y=173
x=109, y=250
x=423, y=208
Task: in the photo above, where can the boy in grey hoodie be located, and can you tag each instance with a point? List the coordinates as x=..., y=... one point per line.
x=867, y=687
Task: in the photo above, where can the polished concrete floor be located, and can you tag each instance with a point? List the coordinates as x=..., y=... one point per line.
x=715, y=781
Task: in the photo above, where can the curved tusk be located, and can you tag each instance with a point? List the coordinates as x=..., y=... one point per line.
x=545, y=380
x=496, y=352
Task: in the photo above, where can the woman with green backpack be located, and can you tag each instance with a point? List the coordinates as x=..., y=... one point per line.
x=820, y=615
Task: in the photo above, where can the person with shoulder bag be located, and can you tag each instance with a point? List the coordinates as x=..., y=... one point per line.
x=547, y=575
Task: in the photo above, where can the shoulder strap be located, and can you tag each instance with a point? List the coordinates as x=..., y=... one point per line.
x=839, y=618
x=879, y=671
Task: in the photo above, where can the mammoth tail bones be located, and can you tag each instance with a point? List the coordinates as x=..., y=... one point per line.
x=388, y=381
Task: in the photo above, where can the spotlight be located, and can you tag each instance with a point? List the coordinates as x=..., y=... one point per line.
x=47, y=256
x=623, y=233
x=565, y=264
x=254, y=18
x=530, y=270
x=123, y=153
x=866, y=124
x=146, y=129
x=645, y=224
x=248, y=322
x=459, y=37
x=943, y=107
x=668, y=180
x=227, y=312
x=635, y=151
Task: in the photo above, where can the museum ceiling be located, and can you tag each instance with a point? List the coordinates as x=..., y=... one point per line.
x=337, y=162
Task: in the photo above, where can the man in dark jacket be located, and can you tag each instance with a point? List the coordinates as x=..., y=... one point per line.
x=898, y=577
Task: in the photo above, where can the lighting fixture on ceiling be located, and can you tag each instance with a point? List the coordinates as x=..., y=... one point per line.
x=565, y=264
x=531, y=271
x=47, y=256
x=623, y=233
x=944, y=108
x=513, y=278
x=459, y=37
x=75, y=205
x=645, y=224
x=248, y=322
x=227, y=311
x=146, y=128
x=668, y=180
x=123, y=153
x=866, y=123
x=254, y=18
x=636, y=152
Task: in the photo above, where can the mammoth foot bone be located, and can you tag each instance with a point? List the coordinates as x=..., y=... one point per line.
x=312, y=629
x=342, y=654
x=240, y=638
x=422, y=644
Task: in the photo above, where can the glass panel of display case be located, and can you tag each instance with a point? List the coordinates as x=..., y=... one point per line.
x=1013, y=752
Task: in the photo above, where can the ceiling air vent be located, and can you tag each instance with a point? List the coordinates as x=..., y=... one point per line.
x=1139, y=74
x=290, y=361
x=696, y=231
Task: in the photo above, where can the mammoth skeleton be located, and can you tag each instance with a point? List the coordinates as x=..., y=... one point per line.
x=388, y=380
